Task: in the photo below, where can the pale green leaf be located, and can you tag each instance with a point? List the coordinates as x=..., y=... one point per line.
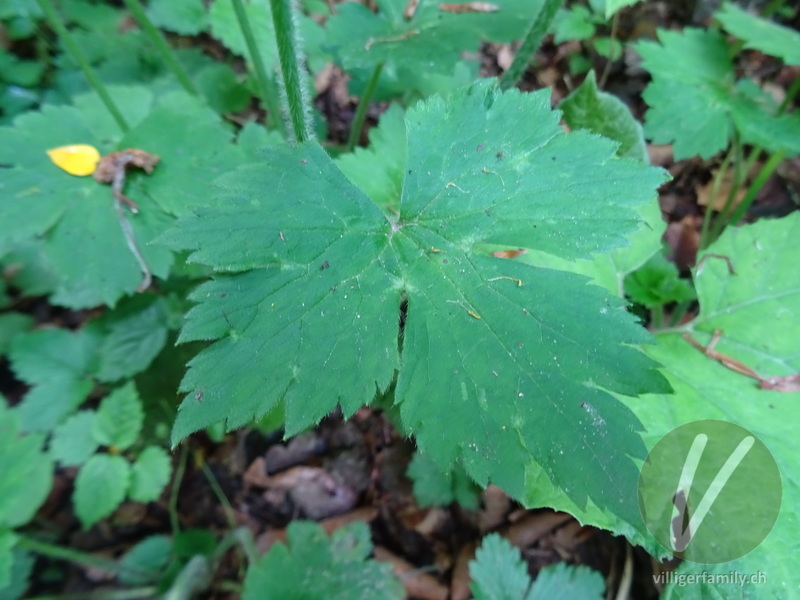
x=435, y=487
x=612, y=6
x=225, y=28
x=514, y=359
x=26, y=472
x=7, y=542
x=72, y=443
x=119, y=418
x=100, y=487
x=22, y=563
x=149, y=474
x=146, y=561
x=761, y=34
x=377, y=170
x=309, y=568
x=692, y=84
x=566, y=582
x=11, y=325
x=498, y=571
x=59, y=365
x=586, y=107
x=757, y=311
x=695, y=104
x=431, y=40
x=575, y=23
x=187, y=17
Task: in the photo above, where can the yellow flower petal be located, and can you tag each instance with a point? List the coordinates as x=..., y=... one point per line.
x=75, y=159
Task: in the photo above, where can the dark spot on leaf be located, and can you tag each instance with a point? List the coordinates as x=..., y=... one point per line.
x=223, y=294
x=198, y=396
x=552, y=158
x=480, y=147
x=324, y=266
x=401, y=325
x=303, y=162
x=444, y=260
x=499, y=155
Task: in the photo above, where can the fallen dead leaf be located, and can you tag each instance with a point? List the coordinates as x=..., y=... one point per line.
x=717, y=203
x=418, y=585
x=459, y=583
x=410, y=9
x=482, y=7
x=787, y=383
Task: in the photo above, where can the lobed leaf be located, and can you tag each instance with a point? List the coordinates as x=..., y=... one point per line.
x=586, y=107
x=695, y=104
x=761, y=34
x=498, y=571
x=313, y=276
x=309, y=568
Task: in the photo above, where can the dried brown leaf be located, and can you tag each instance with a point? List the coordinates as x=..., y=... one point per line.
x=482, y=7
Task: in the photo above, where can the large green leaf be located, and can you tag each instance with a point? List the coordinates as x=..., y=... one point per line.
x=757, y=310
x=695, y=104
x=83, y=239
x=498, y=363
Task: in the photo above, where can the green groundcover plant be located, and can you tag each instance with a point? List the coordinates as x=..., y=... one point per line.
x=470, y=272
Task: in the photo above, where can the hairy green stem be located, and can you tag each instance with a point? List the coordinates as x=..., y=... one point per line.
x=75, y=556
x=790, y=95
x=267, y=90
x=723, y=169
x=161, y=45
x=177, y=479
x=80, y=59
x=363, y=104
x=764, y=173
x=293, y=82
x=530, y=44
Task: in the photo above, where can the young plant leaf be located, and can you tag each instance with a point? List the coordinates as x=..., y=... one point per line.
x=100, y=487
x=26, y=472
x=72, y=443
x=657, y=283
x=58, y=364
x=695, y=104
x=119, y=418
x=147, y=561
x=309, y=568
x=498, y=571
x=187, y=17
x=434, y=487
x=312, y=278
x=761, y=34
x=586, y=107
x=149, y=474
